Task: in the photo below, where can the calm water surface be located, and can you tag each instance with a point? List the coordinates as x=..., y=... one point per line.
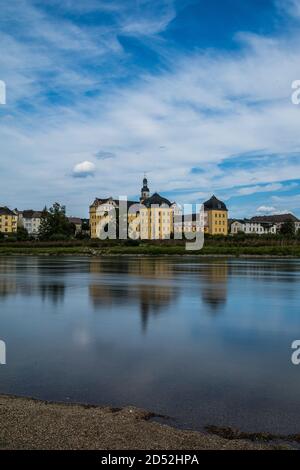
x=206, y=342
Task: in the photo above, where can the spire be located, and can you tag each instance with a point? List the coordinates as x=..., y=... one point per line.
x=145, y=192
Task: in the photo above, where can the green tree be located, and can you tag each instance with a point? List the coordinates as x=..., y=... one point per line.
x=54, y=224
x=288, y=228
x=22, y=234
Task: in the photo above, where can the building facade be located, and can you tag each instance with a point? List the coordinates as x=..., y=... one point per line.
x=30, y=220
x=77, y=222
x=263, y=224
x=150, y=218
x=278, y=220
x=191, y=223
x=103, y=211
x=249, y=226
x=215, y=217
x=156, y=218
x=8, y=221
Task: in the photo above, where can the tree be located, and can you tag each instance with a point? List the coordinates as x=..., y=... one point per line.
x=45, y=228
x=288, y=228
x=54, y=224
x=22, y=234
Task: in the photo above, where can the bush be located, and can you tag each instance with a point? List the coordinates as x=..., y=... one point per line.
x=58, y=237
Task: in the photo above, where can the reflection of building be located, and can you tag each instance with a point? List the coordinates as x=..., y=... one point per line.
x=216, y=217
x=214, y=291
x=152, y=216
x=8, y=220
x=150, y=289
x=27, y=278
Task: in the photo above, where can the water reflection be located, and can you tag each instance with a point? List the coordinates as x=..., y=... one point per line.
x=148, y=283
x=29, y=277
x=202, y=341
x=214, y=287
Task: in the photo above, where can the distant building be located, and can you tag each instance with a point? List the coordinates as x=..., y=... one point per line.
x=30, y=220
x=262, y=224
x=77, y=222
x=251, y=226
x=215, y=217
x=278, y=220
x=85, y=227
x=8, y=221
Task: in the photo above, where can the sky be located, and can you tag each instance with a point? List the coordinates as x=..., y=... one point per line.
x=195, y=93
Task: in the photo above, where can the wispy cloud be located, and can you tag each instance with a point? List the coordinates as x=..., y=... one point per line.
x=105, y=155
x=273, y=187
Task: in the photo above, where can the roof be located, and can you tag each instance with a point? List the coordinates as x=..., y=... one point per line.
x=241, y=221
x=31, y=214
x=214, y=204
x=156, y=199
x=75, y=220
x=264, y=223
x=98, y=201
x=275, y=219
x=6, y=211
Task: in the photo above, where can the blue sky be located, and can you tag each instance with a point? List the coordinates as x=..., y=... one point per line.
x=195, y=93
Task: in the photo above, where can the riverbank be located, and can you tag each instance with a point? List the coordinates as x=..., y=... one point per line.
x=33, y=424
x=152, y=250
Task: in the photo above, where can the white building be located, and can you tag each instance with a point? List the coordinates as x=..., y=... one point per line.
x=252, y=226
x=30, y=220
x=278, y=220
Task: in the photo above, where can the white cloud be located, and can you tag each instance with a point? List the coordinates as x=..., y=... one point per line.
x=266, y=210
x=84, y=169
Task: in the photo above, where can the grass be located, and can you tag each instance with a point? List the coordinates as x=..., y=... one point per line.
x=151, y=250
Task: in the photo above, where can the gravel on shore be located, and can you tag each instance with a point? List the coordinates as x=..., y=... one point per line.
x=33, y=424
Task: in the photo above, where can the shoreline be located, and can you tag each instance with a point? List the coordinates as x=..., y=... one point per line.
x=28, y=423
x=248, y=252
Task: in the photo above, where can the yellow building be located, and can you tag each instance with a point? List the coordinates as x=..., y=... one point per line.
x=8, y=221
x=216, y=217
x=102, y=211
x=156, y=218
x=156, y=215
x=151, y=218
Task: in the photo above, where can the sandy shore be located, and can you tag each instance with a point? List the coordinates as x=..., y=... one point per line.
x=33, y=424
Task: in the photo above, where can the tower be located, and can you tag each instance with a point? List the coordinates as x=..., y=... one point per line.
x=145, y=193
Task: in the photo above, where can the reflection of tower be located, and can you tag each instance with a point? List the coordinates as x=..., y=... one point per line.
x=214, y=292
x=151, y=291
x=155, y=291
x=145, y=193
